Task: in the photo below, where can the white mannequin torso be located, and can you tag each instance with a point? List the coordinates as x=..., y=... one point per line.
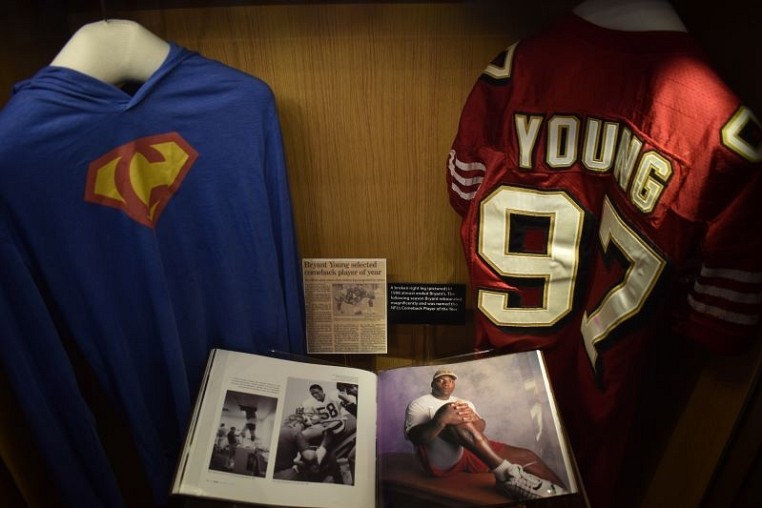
x=631, y=15
x=113, y=51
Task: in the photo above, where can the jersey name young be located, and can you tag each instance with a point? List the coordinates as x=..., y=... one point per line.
x=605, y=146
x=597, y=145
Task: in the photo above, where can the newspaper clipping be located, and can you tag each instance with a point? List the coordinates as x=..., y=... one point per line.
x=345, y=301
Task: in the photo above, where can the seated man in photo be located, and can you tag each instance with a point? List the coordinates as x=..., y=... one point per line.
x=449, y=438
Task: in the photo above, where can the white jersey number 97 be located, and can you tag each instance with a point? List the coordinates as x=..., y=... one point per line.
x=558, y=264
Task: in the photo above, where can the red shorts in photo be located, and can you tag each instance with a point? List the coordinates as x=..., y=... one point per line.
x=468, y=462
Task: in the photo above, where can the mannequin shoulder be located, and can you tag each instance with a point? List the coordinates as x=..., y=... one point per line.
x=113, y=51
x=631, y=15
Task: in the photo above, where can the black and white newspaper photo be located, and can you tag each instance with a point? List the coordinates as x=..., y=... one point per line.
x=345, y=301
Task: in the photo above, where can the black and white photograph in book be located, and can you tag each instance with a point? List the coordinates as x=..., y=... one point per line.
x=317, y=436
x=242, y=441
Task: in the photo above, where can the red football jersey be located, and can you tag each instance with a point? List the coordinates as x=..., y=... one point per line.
x=593, y=168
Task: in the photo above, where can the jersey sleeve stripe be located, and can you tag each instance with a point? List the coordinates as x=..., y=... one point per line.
x=734, y=275
x=727, y=294
x=466, y=176
x=466, y=182
x=468, y=196
x=723, y=314
x=457, y=164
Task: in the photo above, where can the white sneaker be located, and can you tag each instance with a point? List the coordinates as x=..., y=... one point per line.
x=523, y=485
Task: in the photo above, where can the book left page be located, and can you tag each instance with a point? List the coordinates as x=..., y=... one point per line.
x=281, y=432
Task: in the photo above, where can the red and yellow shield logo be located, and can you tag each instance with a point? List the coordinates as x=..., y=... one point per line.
x=141, y=176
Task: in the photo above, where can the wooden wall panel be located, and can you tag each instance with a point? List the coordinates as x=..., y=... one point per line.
x=696, y=444
x=369, y=98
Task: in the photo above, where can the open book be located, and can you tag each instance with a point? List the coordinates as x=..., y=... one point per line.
x=291, y=433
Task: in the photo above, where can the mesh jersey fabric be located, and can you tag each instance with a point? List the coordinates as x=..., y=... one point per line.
x=607, y=181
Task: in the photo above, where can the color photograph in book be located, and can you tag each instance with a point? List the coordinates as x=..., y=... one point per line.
x=483, y=432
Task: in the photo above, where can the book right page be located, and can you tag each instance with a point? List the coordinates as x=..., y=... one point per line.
x=432, y=419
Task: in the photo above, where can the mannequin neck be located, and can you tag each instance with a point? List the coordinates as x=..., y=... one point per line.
x=631, y=15
x=113, y=51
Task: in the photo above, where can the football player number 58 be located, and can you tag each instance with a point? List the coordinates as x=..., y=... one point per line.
x=558, y=264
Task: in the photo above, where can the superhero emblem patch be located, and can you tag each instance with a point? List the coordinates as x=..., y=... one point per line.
x=140, y=177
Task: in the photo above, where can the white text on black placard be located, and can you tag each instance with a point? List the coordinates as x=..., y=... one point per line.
x=412, y=303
